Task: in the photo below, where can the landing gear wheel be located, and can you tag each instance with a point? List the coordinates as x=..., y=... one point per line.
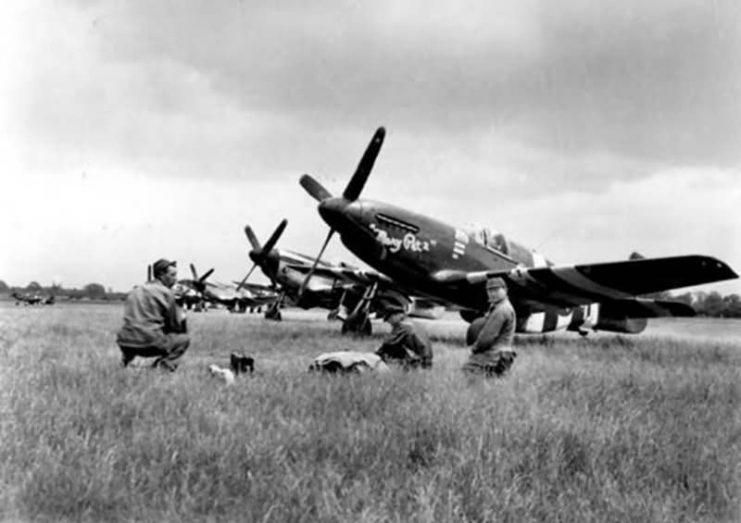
x=273, y=313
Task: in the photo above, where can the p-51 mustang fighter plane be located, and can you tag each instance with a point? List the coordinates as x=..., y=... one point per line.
x=32, y=299
x=349, y=293
x=452, y=264
x=198, y=291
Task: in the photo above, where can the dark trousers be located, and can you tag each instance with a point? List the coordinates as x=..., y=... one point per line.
x=168, y=354
x=494, y=367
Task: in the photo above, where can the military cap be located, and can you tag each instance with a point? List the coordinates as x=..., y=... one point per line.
x=393, y=309
x=161, y=265
x=495, y=282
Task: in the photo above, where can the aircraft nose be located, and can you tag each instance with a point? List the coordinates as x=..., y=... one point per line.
x=332, y=212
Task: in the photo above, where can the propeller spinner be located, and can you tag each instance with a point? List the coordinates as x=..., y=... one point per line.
x=259, y=253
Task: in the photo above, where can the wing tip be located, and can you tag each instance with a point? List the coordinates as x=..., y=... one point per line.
x=721, y=270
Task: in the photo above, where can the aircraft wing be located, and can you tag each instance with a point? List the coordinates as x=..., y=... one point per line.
x=256, y=287
x=388, y=290
x=646, y=308
x=346, y=274
x=599, y=282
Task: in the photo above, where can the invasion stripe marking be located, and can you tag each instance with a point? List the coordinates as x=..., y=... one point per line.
x=551, y=321
x=577, y=279
x=553, y=281
x=555, y=290
x=535, y=322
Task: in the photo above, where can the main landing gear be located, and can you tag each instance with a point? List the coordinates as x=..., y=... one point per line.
x=273, y=311
x=358, y=322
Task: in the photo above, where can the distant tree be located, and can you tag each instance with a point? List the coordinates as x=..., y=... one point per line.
x=74, y=294
x=710, y=305
x=732, y=304
x=4, y=286
x=94, y=291
x=34, y=286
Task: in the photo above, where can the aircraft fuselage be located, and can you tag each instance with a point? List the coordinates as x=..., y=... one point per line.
x=412, y=248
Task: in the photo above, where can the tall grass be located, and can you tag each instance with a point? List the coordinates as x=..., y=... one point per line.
x=607, y=429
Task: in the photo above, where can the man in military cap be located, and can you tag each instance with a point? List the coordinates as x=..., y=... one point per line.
x=154, y=326
x=408, y=343
x=491, y=351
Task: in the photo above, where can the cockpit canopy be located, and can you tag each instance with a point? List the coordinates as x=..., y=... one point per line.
x=488, y=237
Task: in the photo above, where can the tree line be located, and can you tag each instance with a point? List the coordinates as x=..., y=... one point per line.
x=710, y=304
x=91, y=291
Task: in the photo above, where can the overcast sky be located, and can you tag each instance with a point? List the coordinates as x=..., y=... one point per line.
x=586, y=129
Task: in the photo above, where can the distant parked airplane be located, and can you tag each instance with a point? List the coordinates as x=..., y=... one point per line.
x=32, y=299
x=349, y=293
x=198, y=291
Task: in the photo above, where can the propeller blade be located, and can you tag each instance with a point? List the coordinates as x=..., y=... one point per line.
x=149, y=273
x=252, y=238
x=357, y=182
x=244, y=280
x=275, y=236
x=313, y=267
x=193, y=271
x=203, y=278
x=314, y=188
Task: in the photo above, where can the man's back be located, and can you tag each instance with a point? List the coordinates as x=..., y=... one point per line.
x=150, y=312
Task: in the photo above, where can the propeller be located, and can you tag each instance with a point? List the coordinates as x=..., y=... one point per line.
x=351, y=193
x=314, y=188
x=252, y=238
x=274, y=237
x=357, y=182
x=313, y=266
x=259, y=253
x=244, y=280
x=198, y=283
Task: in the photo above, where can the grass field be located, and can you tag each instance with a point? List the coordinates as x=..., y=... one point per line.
x=607, y=428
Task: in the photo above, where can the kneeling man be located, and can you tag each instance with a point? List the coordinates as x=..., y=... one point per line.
x=491, y=352
x=153, y=323
x=408, y=343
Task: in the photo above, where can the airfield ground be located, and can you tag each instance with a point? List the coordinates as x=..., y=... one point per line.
x=607, y=428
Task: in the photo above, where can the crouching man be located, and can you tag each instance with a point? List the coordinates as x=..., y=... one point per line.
x=407, y=344
x=154, y=326
x=491, y=352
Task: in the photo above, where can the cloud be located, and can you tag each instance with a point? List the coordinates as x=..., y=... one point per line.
x=522, y=113
x=656, y=81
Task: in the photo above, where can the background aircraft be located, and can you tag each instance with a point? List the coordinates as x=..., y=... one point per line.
x=452, y=264
x=32, y=299
x=349, y=293
x=197, y=292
